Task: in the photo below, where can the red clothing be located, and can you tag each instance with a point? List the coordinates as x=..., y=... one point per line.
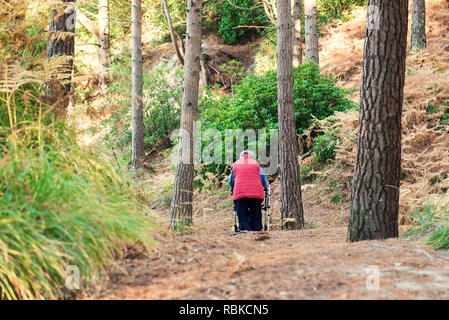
x=247, y=179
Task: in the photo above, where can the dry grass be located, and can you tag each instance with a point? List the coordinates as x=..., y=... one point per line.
x=425, y=139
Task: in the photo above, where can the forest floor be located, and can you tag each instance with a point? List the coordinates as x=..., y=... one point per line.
x=205, y=262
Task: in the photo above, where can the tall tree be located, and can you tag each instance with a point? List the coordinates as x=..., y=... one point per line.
x=181, y=206
x=375, y=192
x=104, y=43
x=292, y=209
x=418, y=40
x=297, y=32
x=61, y=45
x=138, y=151
x=311, y=25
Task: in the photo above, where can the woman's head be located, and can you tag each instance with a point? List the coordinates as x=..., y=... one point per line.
x=247, y=153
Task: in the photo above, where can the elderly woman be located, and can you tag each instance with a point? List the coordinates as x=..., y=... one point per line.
x=248, y=183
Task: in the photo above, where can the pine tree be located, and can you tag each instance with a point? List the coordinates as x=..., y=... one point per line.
x=311, y=25
x=138, y=148
x=375, y=191
x=292, y=209
x=181, y=206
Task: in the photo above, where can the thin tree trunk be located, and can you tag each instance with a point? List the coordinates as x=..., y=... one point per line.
x=311, y=25
x=418, y=38
x=292, y=208
x=270, y=10
x=297, y=32
x=88, y=24
x=61, y=44
x=375, y=192
x=104, y=42
x=167, y=16
x=181, y=206
x=138, y=150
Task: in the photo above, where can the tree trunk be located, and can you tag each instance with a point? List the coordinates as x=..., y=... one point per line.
x=292, y=208
x=61, y=44
x=311, y=25
x=138, y=150
x=418, y=40
x=181, y=206
x=174, y=41
x=297, y=32
x=104, y=42
x=375, y=192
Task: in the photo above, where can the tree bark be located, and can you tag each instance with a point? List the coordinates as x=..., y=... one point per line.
x=181, y=206
x=418, y=38
x=104, y=44
x=292, y=208
x=297, y=32
x=375, y=192
x=138, y=150
x=61, y=44
x=311, y=25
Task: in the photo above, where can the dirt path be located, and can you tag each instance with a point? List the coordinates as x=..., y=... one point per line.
x=315, y=263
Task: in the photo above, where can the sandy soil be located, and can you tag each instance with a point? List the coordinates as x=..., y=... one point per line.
x=205, y=262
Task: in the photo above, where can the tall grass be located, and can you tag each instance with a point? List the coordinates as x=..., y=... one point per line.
x=61, y=205
x=432, y=225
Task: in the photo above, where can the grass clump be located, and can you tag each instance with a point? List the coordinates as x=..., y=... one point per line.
x=431, y=223
x=61, y=204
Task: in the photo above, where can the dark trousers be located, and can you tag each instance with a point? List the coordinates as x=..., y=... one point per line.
x=249, y=211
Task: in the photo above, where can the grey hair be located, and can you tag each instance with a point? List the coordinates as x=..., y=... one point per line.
x=247, y=153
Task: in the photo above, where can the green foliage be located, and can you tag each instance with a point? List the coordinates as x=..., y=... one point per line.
x=432, y=224
x=324, y=145
x=336, y=10
x=162, y=95
x=155, y=21
x=254, y=106
x=232, y=19
x=254, y=103
x=265, y=59
x=234, y=70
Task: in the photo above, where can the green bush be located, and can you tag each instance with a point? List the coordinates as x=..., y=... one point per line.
x=324, y=146
x=254, y=104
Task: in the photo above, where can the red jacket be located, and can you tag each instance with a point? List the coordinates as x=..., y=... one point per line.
x=247, y=179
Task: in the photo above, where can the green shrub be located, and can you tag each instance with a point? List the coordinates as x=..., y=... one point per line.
x=324, y=145
x=232, y=18
x=254, y=105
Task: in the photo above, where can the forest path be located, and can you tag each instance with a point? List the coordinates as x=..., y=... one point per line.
x=204, y=262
